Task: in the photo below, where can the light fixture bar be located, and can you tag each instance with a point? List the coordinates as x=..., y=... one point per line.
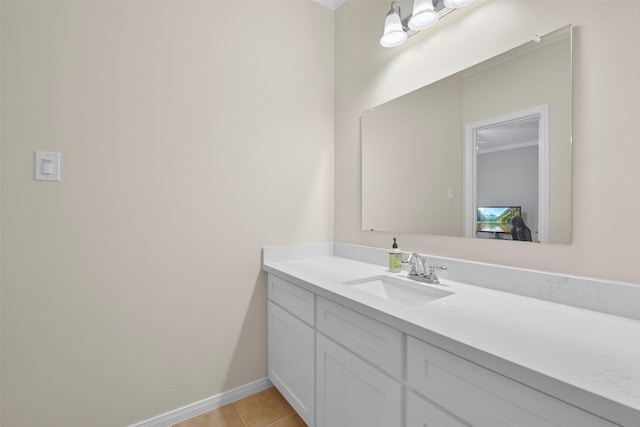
x=392, y=38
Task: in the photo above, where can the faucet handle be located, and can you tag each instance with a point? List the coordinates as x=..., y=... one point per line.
x=432, y=277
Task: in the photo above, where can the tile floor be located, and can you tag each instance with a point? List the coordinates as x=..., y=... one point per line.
x=265, y=409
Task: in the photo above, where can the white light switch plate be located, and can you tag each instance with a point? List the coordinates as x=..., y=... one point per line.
x=47, y=166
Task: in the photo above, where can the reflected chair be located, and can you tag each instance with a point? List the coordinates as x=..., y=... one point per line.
x=519, y=230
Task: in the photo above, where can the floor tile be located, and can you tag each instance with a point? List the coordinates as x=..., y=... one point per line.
x=292, y=421
x=225, y=416
x=264, y=408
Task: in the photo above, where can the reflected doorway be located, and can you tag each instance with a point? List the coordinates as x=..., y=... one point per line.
x=507, y=164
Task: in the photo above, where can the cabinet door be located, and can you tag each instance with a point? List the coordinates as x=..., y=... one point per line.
x=421, y=413
x=352, y=393
x=291, y=360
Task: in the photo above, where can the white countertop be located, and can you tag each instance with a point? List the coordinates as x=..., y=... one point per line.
x=586, y=358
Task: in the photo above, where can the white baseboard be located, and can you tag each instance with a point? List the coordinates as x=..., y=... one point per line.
x=205, y=405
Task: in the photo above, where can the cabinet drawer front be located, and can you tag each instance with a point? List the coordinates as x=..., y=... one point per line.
x=484, y=398
x=351, y=393
x=292, y=298
x=373, y=341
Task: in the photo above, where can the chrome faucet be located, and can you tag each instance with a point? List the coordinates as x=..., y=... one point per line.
x=418, y=270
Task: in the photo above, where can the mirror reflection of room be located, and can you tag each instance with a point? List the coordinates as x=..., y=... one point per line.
x=450, y=148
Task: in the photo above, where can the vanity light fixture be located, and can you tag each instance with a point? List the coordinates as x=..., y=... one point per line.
x=425, y=14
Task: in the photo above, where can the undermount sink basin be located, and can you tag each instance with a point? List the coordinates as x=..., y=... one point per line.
x=402, y=291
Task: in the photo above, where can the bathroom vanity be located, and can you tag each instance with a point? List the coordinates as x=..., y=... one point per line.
x=351, y=344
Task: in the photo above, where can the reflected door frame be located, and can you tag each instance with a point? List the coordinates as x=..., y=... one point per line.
x=541, y=112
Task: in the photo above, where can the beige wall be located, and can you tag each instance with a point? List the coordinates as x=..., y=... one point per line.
x=606, y=156
x=192, y=134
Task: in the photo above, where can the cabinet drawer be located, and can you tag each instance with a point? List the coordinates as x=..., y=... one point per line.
x=292, y=298
x=379, y=344
x=484, y=398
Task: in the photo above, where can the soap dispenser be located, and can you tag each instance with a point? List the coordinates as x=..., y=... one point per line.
x=395, y=258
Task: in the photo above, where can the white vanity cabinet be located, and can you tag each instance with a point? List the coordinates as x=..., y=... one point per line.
x=291, y=345
x=461, y=393
x=340, y=368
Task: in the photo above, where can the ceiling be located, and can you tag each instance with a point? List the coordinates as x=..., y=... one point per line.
x=330, y=4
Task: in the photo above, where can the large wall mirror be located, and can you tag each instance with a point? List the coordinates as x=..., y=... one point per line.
x=465, y=155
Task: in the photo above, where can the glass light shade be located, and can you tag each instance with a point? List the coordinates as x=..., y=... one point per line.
x=423, y=15
x=394, y=34
x=454, y=4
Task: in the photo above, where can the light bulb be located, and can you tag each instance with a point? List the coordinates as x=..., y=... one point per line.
x=394, y=34
x=423, y=15
x=454, y=4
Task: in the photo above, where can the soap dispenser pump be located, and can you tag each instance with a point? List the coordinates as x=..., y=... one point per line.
x=395, y=258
